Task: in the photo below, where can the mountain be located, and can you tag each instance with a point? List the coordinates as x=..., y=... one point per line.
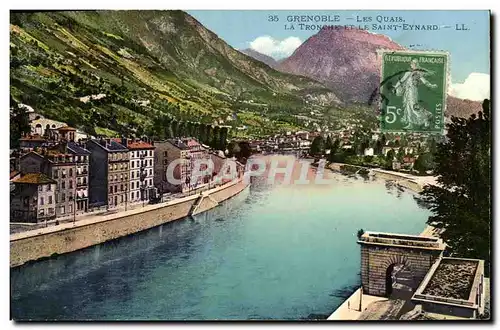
x=261, y=57
x=345, y=60
x=148, y=65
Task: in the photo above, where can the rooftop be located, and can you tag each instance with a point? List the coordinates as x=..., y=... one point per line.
x=453, y=278
x=135, y=145
x=413, y=241
x=66, y=128
x=76, y=149
x=33, y=137
x=178, y=143
x=110, y=145
x=34, y=178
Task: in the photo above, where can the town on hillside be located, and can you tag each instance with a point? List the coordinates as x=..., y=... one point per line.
x=59, y=173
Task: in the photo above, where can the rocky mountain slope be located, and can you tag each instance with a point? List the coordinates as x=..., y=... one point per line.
x=261, y=57
x=148, y=64
x=345, y=60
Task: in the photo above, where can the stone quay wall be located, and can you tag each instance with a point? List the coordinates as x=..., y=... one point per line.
x=376, y=260
x=41, y=243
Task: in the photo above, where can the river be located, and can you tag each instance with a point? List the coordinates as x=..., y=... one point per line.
x=276, y=251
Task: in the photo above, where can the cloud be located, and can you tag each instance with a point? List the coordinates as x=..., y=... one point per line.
x=275, y=48
x=476, y=87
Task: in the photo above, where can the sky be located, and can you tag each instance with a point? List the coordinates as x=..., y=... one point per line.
x=464, y=34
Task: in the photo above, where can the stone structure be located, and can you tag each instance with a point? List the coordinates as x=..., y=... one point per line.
x=109, y=173
x=380, y=252
x=453, y=287
x=69, y=237
x=33, y=199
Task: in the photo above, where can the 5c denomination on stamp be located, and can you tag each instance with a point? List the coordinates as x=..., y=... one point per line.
x=413, y=91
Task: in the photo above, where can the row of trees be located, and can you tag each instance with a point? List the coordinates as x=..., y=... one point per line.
x=165, y=127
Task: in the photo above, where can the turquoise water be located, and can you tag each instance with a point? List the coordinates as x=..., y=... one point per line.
x=273, y=252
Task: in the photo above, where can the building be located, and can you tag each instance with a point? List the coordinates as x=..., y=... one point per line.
x=109, y=173
x=31, y=142
x=33, y=199
x=141, y=157
x=166, y=152
x=40, y=124
x=82, y=158
x=368, y=152
x=197, y=153
x=59, y=164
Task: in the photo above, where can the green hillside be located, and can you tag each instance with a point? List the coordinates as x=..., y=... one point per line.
x=151, y=66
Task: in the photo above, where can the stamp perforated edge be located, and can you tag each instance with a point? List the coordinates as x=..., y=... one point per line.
x=447, y=80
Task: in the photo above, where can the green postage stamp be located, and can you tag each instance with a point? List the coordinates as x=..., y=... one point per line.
x=413, y=91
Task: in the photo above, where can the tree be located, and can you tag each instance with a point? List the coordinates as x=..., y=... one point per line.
x=19, y=123
x=389, y=158
x=461, y=202
x=317, y=146
x=424, y=162
x=401, y=154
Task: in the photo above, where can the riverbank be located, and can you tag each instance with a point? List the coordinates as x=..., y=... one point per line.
x=412, y=182
x=68, y=237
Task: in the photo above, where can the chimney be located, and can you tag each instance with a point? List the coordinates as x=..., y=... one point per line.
x=124, y=141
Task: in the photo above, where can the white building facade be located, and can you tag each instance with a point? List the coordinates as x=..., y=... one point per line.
x=141, y=155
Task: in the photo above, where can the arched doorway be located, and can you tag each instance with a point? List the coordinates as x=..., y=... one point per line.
x=399, y=281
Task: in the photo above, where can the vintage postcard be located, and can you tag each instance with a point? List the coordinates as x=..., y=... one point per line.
x=284, y=165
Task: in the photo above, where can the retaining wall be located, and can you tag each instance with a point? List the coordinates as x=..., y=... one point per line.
x=36, y=244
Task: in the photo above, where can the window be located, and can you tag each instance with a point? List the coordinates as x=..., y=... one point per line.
x=63, y=174
x=132, y=165
x=56, y=197
x=63, y=185
x=110, y=167
x=63, y=210
x=121, y=198
x=116, y=188
x=150, y=153
x=137, y=194
x=150, y=162
x=121, y=177
x=116, y=177
x=126, y=166
x=40, y=188
x=63, y=198
x=110, y=189
x=56, y=174
x=131, y=196
x=70, y=208
x=150, y=172
x=70, y=184
x=50, y=199
x=49, y=187
x=115, y=167
x=132, y=185
x=42, y=212
x=132, y=175
x=51, y=210
x=70, y=172
x=121, y=187
x=111, y=178
x=41, y=200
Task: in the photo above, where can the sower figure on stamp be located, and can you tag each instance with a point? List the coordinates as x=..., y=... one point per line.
x=407, y=86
